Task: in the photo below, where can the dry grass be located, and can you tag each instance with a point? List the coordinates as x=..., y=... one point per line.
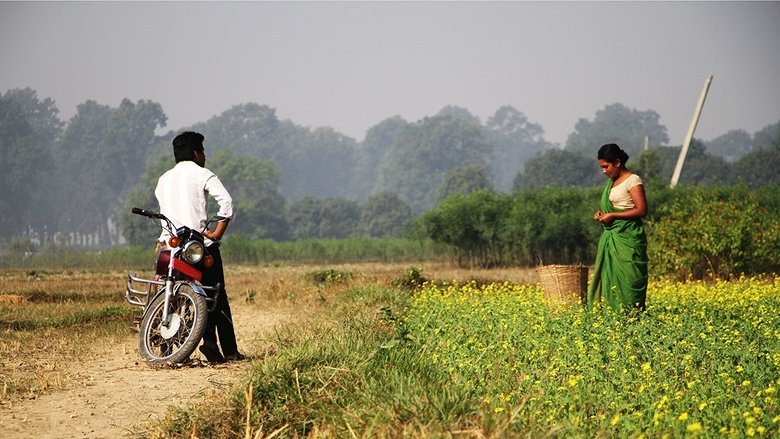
x=40, y=339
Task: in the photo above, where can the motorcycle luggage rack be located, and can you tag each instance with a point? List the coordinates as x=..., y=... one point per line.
x=141, y=298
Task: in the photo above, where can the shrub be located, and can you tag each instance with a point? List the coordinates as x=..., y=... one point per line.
x=714, y=233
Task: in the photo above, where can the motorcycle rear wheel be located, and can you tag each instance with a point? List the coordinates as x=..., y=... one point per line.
x=160, y=345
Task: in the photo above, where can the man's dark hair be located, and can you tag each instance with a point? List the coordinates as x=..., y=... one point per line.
x=185, y=145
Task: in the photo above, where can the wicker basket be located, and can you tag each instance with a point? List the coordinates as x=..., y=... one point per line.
x=563, y=284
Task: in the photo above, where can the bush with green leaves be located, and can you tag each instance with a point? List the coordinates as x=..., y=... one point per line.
x=715, y=232
x=487, y=229
x=470, y=225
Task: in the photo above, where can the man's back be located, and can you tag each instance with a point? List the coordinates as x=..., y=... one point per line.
x=182, y=193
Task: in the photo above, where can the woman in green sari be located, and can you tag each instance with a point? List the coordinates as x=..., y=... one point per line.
x=620, y=272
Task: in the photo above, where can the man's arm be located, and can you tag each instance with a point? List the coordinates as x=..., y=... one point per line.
x=215, y=188
x=219, y=230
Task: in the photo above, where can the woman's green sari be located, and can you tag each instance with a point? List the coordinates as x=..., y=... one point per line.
x=620, y=271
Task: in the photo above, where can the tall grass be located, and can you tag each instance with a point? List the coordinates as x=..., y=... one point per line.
x=329, y=251
x=69, y=258
x=237, y=250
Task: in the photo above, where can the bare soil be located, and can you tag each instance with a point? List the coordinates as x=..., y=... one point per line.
x=117, y=395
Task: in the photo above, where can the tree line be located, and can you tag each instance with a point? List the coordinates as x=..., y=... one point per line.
x=72, y=183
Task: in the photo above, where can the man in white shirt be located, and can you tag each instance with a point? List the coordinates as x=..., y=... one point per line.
x=182, y=193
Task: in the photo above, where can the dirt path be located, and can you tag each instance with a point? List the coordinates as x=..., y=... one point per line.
x=117, y=393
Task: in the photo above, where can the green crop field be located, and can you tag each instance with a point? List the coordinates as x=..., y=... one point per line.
x=704, y=358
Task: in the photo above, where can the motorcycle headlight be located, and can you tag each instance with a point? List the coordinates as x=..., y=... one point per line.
x=193, y=252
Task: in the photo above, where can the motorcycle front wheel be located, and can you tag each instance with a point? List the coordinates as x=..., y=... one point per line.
x=173, y=343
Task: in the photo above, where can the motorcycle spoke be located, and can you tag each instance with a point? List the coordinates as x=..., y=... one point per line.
x=184, y=315
x=184, y=308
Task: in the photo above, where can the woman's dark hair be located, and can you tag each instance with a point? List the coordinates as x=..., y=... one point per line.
x=612, y=153
x=185, y=145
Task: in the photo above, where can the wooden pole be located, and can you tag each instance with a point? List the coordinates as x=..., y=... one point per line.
x=691, y=130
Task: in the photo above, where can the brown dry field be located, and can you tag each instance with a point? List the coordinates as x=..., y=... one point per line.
x=86, y=380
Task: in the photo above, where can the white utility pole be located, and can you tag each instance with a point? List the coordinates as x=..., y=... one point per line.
x=689, y=136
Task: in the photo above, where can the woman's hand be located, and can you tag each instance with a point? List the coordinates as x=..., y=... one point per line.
x=604, y=218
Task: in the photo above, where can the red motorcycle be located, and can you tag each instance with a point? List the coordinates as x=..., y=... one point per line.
x=173, y=317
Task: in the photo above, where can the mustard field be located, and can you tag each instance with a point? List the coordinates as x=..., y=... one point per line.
x=703, y=360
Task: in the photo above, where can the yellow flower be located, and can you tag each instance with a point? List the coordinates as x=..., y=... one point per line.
x=646, y=367
x=683, y=416
x=615, y=420
x=694, y=427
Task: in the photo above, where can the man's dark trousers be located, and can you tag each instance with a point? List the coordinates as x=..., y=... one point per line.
x=220, y=320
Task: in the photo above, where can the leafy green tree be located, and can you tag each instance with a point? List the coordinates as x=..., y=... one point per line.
x=138, y=230
x=552, y=225
x=617, y=124
x=30, y=128
x=304, y=218
x=253, y=184
x=323, y=218
x=41, y=114
x=19, y=168
x=767, y=137
x=515, y=141
x=325, y=167
x=248, y=129
x=559, y=167
x=385, y=215
x=459, y=113
x=103, y=153
x=470, y=225
x=699, y=168
x=464, y=181
x=425, y=152
x=731, y=146
x=759, y=167
x=339, y=218
x=126, y=144
x=372, y=153
x=34, y=204
x=316, y=162
x=649, y=165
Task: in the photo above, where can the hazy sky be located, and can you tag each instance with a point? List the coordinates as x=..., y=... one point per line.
x=350, y=65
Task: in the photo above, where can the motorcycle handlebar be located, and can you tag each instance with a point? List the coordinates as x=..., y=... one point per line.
x=147, y=213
